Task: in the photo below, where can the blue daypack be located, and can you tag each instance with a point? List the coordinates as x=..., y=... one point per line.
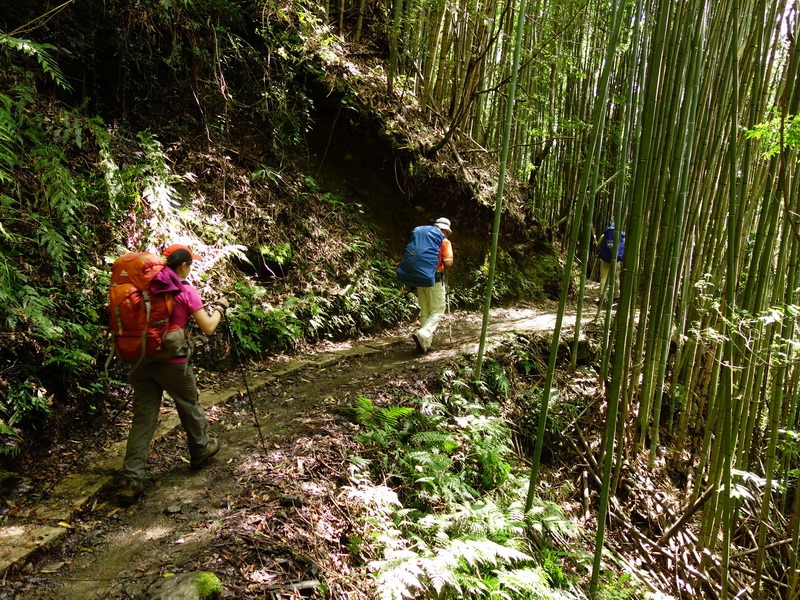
x=421, y=257
x=607, y=245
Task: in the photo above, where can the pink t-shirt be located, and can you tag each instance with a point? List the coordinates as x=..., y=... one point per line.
x=186, y=302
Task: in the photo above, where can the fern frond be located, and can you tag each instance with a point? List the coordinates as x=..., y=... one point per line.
x=400, y=576
x=488, y=519
x=441, y=571
x=432, y=405
x=35, y=311
x=365, y=410
x=528, y=583
x=548, y=518
x=436, y=439
x=9, y=138
x=54, y=243
x=478, y=585
x=9, y=440
x=427, y=458
x=482, y=552
x=516, y=515
x=69, y=357
x=391, y=415
x=40, y=53
x=457, y=489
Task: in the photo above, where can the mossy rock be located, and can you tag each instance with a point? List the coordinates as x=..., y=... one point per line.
x=200, y=585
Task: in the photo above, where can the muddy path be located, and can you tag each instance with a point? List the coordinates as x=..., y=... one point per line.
x=271, y=519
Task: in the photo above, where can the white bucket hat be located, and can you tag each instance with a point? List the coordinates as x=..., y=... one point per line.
x=443, y=223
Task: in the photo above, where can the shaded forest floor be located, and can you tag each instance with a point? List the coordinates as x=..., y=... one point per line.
x=271, y=520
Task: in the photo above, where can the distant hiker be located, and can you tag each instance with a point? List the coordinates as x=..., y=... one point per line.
x=605, y=252
x=427, y=254
x=173, y=375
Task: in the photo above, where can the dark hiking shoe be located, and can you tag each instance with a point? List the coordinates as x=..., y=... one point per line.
x=129, y=493
x=212, y=448
x=420, y=347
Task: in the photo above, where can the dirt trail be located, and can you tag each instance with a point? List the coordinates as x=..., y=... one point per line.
x=267, y=520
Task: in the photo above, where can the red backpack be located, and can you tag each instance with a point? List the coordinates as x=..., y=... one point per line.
x=138, y=317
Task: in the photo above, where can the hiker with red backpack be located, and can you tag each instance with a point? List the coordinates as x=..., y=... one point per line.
x=161, y=366
x=426, y=256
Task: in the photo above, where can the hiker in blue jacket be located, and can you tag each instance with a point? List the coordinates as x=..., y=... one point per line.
x=433, y=300
x=605, y=252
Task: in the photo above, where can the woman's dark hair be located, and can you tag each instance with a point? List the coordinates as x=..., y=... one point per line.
x=177, y=258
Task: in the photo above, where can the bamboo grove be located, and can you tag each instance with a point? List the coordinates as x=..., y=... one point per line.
x=679, y=121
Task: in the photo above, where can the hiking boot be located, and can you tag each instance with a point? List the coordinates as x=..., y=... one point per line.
x=211, y=449
x=420, y=347
x=129, y=492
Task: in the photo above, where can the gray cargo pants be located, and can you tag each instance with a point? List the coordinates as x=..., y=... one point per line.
x=149, y=383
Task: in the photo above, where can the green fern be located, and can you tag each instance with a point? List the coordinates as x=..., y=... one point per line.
x=34, y=308
x=444, y=570
x=548, y=519
x=488, y=448
x=486, y=518
x=45, y=230
x=9, y=440
x=10, y=138
x=56, y=245
x=424, y=461
x=41, y=53
x=400, y=577
x=70, y=358
x=25, y=399
x=443, y=441
x=392, y=416
x=496, y=377
x=462, y=530
x=478, y=553
x=365, y=410
x=370, y=415
x=528, y=584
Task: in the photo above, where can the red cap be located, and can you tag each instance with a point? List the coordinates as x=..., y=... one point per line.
x=174, y=247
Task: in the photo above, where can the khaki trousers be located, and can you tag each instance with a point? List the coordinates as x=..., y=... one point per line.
x=605, y=269
x=432, y=304
x=149, y=382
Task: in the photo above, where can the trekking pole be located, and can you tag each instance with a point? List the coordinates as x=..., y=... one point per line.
x=392, y=299
x=447, y=303
x=237, y=358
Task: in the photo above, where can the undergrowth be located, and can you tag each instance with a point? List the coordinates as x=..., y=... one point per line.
x=51, y=321
x=447, y=517
x=263, y=324
x=443, y=493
